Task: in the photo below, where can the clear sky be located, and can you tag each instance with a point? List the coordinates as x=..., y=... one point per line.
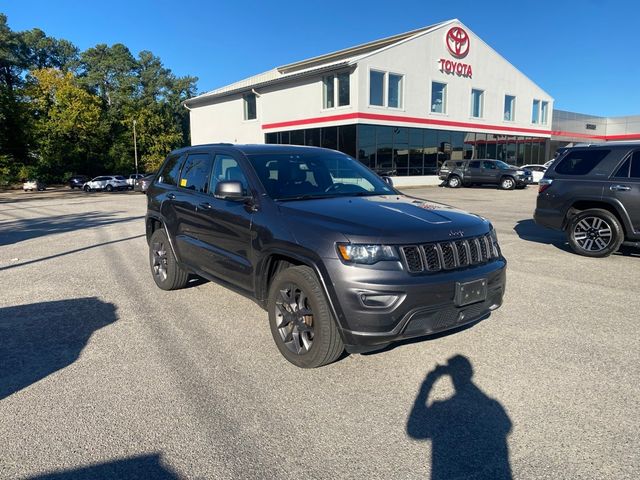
x=584, y=53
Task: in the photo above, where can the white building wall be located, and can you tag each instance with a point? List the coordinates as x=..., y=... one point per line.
x=223, y=121
x=418, y=59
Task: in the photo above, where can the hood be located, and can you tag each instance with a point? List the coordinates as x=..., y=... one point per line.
x=396, y=219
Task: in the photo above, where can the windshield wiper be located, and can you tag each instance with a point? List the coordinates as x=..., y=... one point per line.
x=306, y=196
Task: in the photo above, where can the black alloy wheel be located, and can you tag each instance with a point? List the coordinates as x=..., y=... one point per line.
x=301, y=321
x=166, y=272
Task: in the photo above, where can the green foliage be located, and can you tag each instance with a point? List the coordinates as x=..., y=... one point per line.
x=63, y=111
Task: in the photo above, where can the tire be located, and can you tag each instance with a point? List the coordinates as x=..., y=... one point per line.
x=307, y=341
x=507, y=183
x=595, y=233
x=454, y=182
x=165, y=270
x=109, y=188
x=86, y=188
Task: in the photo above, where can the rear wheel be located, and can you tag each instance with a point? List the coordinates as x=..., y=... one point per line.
x=507, y=183
x=300, y=319
x=454, y=182
x=109, y=188
x=595, y=233
x=166, y=272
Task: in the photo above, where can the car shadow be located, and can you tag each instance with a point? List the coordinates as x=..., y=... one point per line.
x=140, y=467
x=468, y=431
x=39, y=339
x=15, y=231
x=528, y=230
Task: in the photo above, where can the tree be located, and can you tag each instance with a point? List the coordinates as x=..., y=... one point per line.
x=66, y=119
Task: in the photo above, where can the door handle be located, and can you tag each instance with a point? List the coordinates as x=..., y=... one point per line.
x=204, y=206
x=619, y=188
x=171, y=196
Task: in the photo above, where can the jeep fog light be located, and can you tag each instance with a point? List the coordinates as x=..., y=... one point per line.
x=379, y=301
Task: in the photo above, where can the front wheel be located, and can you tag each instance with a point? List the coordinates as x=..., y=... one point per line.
x=507, y=183
x=301, y=322
x=454, y=182
x=166, y=272
x=595, y=233
x=109, y=188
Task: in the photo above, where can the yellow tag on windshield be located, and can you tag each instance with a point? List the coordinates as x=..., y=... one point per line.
x=183, y=182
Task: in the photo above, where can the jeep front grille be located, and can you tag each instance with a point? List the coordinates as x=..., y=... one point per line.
x=434, y=257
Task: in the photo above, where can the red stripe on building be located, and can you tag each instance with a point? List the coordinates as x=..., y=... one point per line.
x=400, y=118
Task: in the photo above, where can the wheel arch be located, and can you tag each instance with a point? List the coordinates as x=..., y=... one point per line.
x=612, y=206
x=272, y=262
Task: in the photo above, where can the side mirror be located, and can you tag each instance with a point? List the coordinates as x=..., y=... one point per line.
x=229, y=190
x=388, y=180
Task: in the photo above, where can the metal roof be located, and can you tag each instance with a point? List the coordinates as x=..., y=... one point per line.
x=329, y=61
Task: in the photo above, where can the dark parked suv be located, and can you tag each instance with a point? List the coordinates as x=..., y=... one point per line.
x=458, y=173
x=593, y=194
x=337, y=256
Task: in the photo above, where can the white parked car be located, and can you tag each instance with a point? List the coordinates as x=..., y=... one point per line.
x=537, y=171
x=31, y=185
x=133, y=179
x=108, y=183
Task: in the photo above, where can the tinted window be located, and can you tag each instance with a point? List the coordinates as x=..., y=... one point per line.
x=623, y=171
x=489, y=165
x=195, y=174
x=474, y=164
x=171, y=171
x=635, y=166
x=226, y=168
x=580, y=162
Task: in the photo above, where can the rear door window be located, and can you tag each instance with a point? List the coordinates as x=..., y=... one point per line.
x=474, y=164
x=581, y=162
x=171, y=172
x=196, y=171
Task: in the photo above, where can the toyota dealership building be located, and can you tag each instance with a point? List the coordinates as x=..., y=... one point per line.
x=402, y=106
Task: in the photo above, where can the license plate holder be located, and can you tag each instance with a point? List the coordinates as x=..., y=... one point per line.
x=470, y=292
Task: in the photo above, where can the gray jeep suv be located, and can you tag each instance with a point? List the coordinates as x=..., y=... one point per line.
x=593, y=194
x=337, y=256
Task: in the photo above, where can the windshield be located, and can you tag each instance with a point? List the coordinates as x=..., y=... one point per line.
x=503, y=166
x=322, y=174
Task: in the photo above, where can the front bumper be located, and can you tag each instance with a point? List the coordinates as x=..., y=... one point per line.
x=424, y=303
x=522, y=180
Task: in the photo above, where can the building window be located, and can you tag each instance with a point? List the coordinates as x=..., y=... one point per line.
x=376, y=88
x=438, y=97
x=343, y=89
x=328, y=92
x=394, y=93
x=335, y=86
x=477, y=100
x=509, y=108
x=535, y=112
x=250, y=106
x=544, y=107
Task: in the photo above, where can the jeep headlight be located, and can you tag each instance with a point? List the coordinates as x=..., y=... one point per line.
x=366, y=254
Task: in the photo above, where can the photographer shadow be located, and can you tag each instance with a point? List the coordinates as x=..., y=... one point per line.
x=468, y=431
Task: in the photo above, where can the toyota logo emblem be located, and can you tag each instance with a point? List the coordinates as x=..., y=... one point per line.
x=457, y=41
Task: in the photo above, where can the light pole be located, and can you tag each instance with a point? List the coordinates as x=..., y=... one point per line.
x=135, y=146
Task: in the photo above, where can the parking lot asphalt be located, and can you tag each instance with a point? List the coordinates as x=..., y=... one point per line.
x=104, y=375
